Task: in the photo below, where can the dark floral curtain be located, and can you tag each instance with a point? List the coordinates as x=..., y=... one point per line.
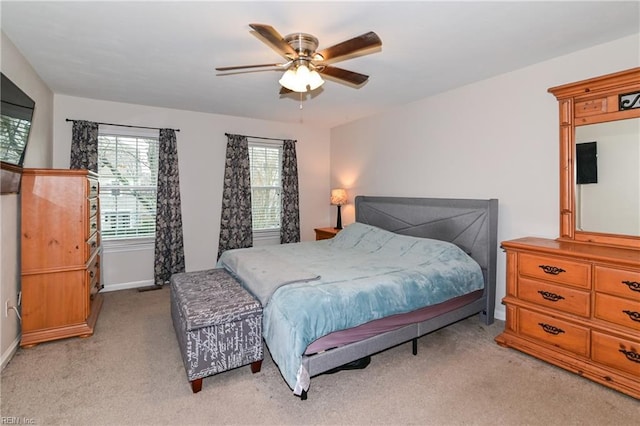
x=84, y=146
x=236, y=229
x=290, y=222
x=169, y=245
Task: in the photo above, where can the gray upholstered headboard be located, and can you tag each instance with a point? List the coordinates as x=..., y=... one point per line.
x=470, y=224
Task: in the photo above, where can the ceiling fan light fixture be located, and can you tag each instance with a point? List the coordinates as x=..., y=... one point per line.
x=289, y=81
x=302, y=79
x=315, y=80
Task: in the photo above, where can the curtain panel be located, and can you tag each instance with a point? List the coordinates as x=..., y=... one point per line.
x=84, y=146
x=169, y=243
x=236, y=229
x=290, y=221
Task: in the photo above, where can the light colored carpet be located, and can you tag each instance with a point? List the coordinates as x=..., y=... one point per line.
x=131, y=372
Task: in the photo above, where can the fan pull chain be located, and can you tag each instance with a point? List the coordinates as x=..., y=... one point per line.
x=301, y=117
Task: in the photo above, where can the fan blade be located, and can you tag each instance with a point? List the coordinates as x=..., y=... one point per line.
x=275, y=40
x=350, y=47
x=246, y=66
x=284, y=90
x=342, y=74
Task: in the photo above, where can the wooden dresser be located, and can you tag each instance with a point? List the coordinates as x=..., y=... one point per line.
x=60, y=254
x=575, y=301
x=576, y=306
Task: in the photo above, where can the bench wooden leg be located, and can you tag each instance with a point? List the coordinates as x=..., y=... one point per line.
x=256, y=366
x=196, y=385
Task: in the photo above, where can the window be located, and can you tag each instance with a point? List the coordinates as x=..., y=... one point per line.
x=266, y=185
x=128, y=175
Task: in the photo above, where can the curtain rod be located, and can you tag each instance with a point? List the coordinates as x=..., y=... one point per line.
x=127, y=125
x=260, y=137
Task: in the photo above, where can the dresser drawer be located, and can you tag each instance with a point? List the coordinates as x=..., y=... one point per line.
x=617, y=310
x=553, y=331
x=556, y=269
x=92, y=187
x=92, y=244
x=618, y=282
x=554, y=296
x=92, y=206
x=93, y=275
x=92, y=226
x=616, y=352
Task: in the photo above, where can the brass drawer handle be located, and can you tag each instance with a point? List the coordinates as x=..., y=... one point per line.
x=552, y=270
x=631, y=355
x=550, y=296
x=633, y=285
x=633, y=316
x=550, y=329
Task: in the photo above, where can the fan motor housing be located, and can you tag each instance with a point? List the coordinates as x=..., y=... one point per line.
x=304, y=44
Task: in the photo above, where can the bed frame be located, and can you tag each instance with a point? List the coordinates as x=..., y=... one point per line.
x=470, y=224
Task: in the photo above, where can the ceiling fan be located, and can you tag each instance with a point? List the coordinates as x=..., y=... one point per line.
x=304, y=63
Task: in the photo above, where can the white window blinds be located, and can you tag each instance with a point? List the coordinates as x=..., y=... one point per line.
x=128, y=174
x=266, y=185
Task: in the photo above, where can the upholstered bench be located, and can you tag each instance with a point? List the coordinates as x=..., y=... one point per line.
x=217, y=323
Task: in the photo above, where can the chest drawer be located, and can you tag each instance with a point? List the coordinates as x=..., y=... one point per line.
x=554, y=296
x=93, y=275
x=553, y=331
x=618, y=310
x=615, y=352
x=555, y=269
x=618, y=282
x=92, y=226
x=92, y=244
x=92, y=187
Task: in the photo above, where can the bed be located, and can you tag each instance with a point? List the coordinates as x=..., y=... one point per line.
x=406, y=267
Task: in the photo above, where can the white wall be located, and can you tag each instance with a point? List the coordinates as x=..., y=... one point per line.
x=201, y=153
x=38, y=154
x=497, y=138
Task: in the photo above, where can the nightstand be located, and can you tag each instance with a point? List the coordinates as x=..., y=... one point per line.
x=326, y=233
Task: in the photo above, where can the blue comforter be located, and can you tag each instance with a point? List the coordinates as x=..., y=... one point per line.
x=311, y=289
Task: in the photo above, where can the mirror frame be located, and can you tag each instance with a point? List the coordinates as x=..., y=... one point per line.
x=596, y=100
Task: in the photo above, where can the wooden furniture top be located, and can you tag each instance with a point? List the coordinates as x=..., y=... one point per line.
x=609, y=254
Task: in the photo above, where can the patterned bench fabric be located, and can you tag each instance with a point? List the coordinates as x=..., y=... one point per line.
x=217, y=323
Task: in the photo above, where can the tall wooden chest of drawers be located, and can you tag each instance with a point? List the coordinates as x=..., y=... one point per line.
x=576, y=306
x=60, y=245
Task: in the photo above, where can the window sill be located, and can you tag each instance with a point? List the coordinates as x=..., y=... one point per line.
x=266, y=237
x=130, y=244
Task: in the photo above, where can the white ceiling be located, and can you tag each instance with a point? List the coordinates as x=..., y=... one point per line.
x=164, y=53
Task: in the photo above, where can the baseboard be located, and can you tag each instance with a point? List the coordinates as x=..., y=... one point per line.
x=10, y=352
x=127, y=286
x=500, y=313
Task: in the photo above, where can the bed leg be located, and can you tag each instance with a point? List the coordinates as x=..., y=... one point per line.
x=414, y=344
x=196, y=385
x=256, y=366
x=303, y=395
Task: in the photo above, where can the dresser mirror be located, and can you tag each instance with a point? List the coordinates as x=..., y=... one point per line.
x=607, y=177
x=600, y=159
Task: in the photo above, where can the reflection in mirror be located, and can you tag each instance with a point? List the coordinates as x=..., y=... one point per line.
x=16, y=113
x=612, y=205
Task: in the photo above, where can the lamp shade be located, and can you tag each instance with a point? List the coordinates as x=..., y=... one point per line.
x=338, y=197
x=301, y=79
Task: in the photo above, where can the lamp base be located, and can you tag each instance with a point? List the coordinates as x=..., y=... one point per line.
x=339, y=221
